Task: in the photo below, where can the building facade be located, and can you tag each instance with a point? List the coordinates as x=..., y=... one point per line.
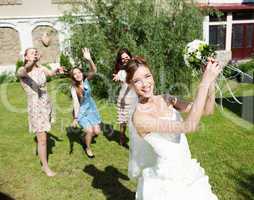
x=30, y=23
x=232, y=33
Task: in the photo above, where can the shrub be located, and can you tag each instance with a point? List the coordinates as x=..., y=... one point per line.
x=159, y=32
x=65, y=61
x=19, y=64
x=7, y=78
x=247, y=67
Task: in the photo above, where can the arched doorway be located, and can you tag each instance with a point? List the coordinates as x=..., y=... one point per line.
x=45, y=39
x=10, y=45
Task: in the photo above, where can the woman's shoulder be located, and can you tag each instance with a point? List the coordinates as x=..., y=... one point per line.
x=159, y=98
x=41, y=67
x=73, y=90
x=166, y=99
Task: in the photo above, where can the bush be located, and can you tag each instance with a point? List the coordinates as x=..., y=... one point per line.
x=247, y=67
x=19, y=64
x=7, y=78
x=63, y=86
x=65, y=61
x=159, y=32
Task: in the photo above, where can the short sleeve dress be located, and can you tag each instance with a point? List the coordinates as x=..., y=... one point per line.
x=87, y=115
x=125, y=100
x=39, y=106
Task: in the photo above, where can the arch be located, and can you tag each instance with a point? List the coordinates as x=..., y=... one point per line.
x=50, y=49
x=10, y=45
x=42, y=23
x=8, y=25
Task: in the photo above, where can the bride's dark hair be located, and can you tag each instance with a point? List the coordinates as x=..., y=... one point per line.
x=133, y=65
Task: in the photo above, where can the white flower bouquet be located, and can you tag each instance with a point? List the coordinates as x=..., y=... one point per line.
x=196, y=54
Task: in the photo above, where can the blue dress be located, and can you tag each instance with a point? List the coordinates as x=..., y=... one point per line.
x=88, y=115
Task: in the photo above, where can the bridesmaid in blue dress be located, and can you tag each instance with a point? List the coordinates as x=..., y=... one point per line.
x=85, y=111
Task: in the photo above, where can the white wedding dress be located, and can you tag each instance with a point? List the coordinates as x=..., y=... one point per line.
x=164, y=168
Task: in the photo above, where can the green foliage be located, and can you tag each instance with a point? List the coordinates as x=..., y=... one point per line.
x=196, y=55
x=247, y=67
x=157, y=31
x=65, y=61
x=63, y=86
x=7, y=78
x=19, y=64
x=223, y=148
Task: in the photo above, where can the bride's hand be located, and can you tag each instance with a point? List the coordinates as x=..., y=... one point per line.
x=203, y=67
x=212, y=70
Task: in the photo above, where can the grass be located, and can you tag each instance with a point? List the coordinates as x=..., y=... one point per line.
x=224, y=148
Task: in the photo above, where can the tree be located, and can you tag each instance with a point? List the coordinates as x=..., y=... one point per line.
x=155, y=29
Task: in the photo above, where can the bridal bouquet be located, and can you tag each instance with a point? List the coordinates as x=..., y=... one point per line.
x=196, y=54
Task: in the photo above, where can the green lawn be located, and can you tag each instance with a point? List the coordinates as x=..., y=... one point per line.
x=224, y=146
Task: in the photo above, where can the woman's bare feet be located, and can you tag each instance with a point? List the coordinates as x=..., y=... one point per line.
x=48, y=172
x=89, y=153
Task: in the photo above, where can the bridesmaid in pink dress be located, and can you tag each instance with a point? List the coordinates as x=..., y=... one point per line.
x=33, y=80
x=126, y=95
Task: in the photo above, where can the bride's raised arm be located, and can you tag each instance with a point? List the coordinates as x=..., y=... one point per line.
x=178, y=104
x=147, y=122
x=184, y=106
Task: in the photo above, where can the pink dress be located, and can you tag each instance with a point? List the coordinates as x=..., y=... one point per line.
x=40, y=112
x=125, y=100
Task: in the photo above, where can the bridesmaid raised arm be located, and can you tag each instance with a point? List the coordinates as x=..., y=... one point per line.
x=85, y=111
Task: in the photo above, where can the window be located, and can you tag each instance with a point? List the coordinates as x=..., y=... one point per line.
x=237, y=36
x=217, y=36
x=248, y=1
x=243, y=15
x=249, y=35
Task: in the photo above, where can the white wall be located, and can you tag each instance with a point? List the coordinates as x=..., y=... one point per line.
x=30, y=8
x=30, y=14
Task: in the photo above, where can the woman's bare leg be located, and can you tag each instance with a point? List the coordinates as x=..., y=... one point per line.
x=96, y=129
x=42, y=152
x=88, y=139
x=122, y=133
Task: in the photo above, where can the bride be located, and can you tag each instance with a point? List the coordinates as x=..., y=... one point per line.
x=159, y=153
